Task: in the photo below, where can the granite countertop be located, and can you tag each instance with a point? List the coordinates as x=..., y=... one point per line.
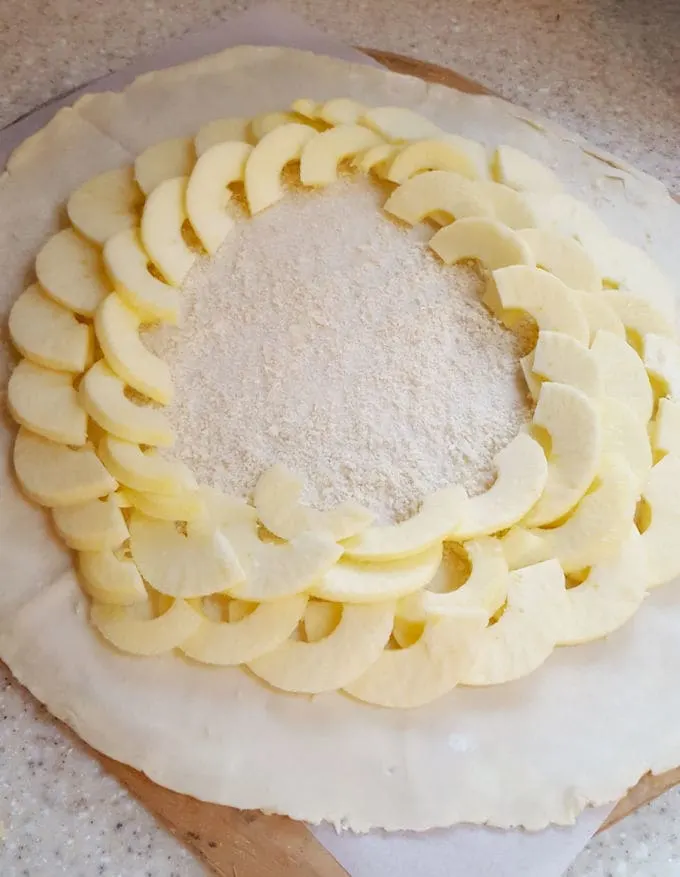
x=606, y=69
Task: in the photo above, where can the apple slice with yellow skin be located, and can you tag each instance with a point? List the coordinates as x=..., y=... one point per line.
x=433, y=191
x=102, y=394
x=625, y=434
x=623, y=374
x=70, y=270
x=123, y=628
x=128, y=266
x=399, y=124
x=438, y=517
x=564, y=257
x=510, y=207
x=665, y=431
x=208, y=191
x=56, y=475
x=483, y=240
x=106, y=204
x=334, y=661
x=659, y=520
x=340, y=111
x=598, y=314
x=144, y=470
x=661, y=356
x=163, y=161
x=322, y=154
x=521, y=476
x=262, y=176
x=95, y=525
x=431, y=155
x=46, y=403
x=522, y=547
x=111, y=577
x=231, y=643
x=161, y=227
x=561, y=359
x=221, y=131
x=376, y=159
x=520, y=171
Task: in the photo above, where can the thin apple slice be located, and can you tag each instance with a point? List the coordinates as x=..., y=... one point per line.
x=376, y=159
x=111, y=577
x=564, y=257
x=221, y=131
x=322, y=154
x=623, y=374
x=522, y=547
x=431, y=155
x=70, y=270
x=480, y=239
x=665, y=431
x=163, y=161
x=433, y=191
x=661, y=356
x=262, y=177
x=144, y=470
x=106, y=204
x=625, y=434
x=184, y=506
x=121, y=626
x=95, y=525
x=562, y=359
x=598, y=314
x=640, y=318
x=399, y=124
x=340, y=111
x=510, y=207
x=46, y=403
x=660, y=521
x=520, y=171
x=161, y=228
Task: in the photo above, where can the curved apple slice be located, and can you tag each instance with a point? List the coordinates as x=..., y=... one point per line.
x=163, y=218
x=572, y=421
x=523, y=548
x=598, y=314
x=562, y=359
x=510, y=207
x=625, y=434
x=70, y=270
x=262, y=176
x=564, y=257
x=164, y=161
x=208, y=191
x=49, y=334
x=433, y=191
x=349, y=582
x=305, y=106
x=485, y=589
x=439, y=515
x=422, y=672
x=567, y=216
x=145, y=636
x=102, y=394
x=184, y=506
x=197, y=564
x=128, y=265
x=521, y=476
x=623, y=374
x=322, y=154
x=335, y=661
x=600, y=522
x=273, y=571
x=231, y=643
x=265, y=123
x=520, y=171
x=400, y=124
x=117, y=329
x=340, y=111
x=484, y=240
x=660, y=521
x=376, y=159
x=431, y=155
x=221, y=131
x=106, y=204
x=144, y=470
x=55, y=475
x=320, y=619
x=110, y=577
x=277, y=500
x=661, y=356
x=611, y=594
x=665, y=431
x=640, y=318
x=45, y=402
x=95, y=525
x=223, y=510
x=526, y=633
x=519, y=289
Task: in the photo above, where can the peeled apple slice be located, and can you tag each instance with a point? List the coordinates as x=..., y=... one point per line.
x=564, y=257
x=521, y=476
x=273, y=571
x=306, y=107
x=567, y=216
x=561, y=359
x=144, y=470
x=265, y=123
x=525, y=634
x=262, y=177
x=48, y=334
x=399, y=124
x=439, y=515
x=572, y=421
x=422, y=672
x=335, y=661
x=103, y=397
x=145, y=636
x=520, y=289
x=510, y=207
x=320, y=619
x=598, y=314
x=208, y=191
x=106, y=204
x=340, y=111
x=128, y=266
x=70, y=270
x=665, y=432
x=661, y=357
x=46, y=403
x=56, y=475
x=376, y=159
x=95, y=525
x=484, y=590
x=625, y=434
x=221, y=131
x=197, y=564
x=163, y=161
x=429, y=155
x=523, y=548
x=484, y=240
x=433, y=191
x=610, y=594
x=349, y=582
x=623, y=374
x=277, y=500
x=163, y=218
x=110, y=577
x=260, y=632
x=322, y=155
x=184, y=506
x=522, y=172
x=599, y=524
x=662, y=519
x=639, y=317
x=223, y=510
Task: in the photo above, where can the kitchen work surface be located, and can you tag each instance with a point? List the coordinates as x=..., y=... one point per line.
x=14, y=832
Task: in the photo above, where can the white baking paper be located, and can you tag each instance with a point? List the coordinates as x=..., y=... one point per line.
x=463, y=851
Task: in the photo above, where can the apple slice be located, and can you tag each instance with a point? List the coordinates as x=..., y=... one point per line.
x=625, y=434
x=660, y=521
x=144, y=470
x=262, y=177
x=562, y=359
x=375, y=160
x=598, y=314
x=640, y=318
x=399, y=124
x=523, y=548
x=661, y=356
x=221, y=131
x=125, y=630
x=431, y=155
x=320, y=619
x=481, y=239
x=665, y=431
x=164, y=161
x=322, y=154
x=623, y=374
x=223, y=510
x=340, y=111
x=265, y=123
x=564, y=257
x=111, y=577
x=70, y=270
x=306, y=107
x=106, y=204
x=161, y=227
x=184, y=506
x=94, y=525
x=509, y=206
x=433, y=191
x=520, y=171
x=46, y=403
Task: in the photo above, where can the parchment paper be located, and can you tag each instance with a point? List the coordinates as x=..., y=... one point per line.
x=463, y=851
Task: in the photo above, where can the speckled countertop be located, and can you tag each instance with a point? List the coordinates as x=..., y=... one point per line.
x=606, y=68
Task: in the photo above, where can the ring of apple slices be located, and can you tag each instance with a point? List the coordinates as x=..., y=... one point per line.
x=562, y=547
